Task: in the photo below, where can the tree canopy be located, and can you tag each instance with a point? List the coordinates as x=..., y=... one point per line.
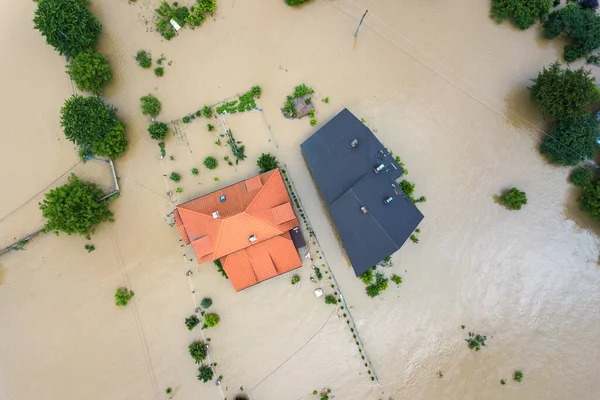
x=571, y=141
x=582, y=25
x=90, y=71
x=74, y=208
x=68, y=25
x=93, y=126
x=564, y=93
x=523, y=14
x=267, y=162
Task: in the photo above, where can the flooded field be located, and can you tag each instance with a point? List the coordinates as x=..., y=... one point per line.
x=440, y=84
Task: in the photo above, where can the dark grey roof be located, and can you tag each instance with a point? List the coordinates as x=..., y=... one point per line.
x=346, y=179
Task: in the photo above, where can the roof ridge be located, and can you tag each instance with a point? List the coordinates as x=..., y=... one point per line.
x=260, y=191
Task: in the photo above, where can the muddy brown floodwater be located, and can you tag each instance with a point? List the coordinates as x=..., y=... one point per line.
x=443, y=87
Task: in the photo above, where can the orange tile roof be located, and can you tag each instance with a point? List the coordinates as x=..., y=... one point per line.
x=220, y=224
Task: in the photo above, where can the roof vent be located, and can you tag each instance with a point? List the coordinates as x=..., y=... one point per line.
x=354, y=143
x=379, y=168
x=363, y=209
x=388, y=200
x=215, y=215
x=222, y=198
x=252, y=238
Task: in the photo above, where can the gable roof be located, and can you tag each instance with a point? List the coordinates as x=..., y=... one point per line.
x=238, y=224
x=347, y=182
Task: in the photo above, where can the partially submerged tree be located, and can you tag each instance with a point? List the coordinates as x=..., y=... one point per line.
x=564, y=93
x=267, y=162
x=74, y=208
x=514, y=199
x=150, y=105
x=90, y=71
x=523, y=14
x=93, y=126
x=571, y=141
x=68, y=25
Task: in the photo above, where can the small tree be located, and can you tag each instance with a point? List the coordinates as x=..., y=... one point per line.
x=581, y=176
x=90, y=71
x=158, y=130
x=590, y=200
x=150, y=105
x=571, y=141
x=74, y=208
x=122, y=296
x=564, y=93
x=198, y=351
x=93, y=126
x=206, y=302
x=68, y=25
x=210, y=162
x=211, y=320
x=205, y=373
x=582, y=25
x=514, y=199
x=522, y=13
x=191, y=322
x=267, y=162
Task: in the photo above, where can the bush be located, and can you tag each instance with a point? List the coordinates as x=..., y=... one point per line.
x=210, y=162
x=205, y=373
x=158, y=130
x=571, y=141
x=144, y=59
x=68, y=25
x=191, y=322
x=396, y=279
x=90, y=71
x=475, y=342
x=518, y=376
x=93, y=126
x=211, y=320
x=564, y=93
x=267, y=162
x=522, y=13
x=198, y=351
x=590, y=200
x=581, y=176
x=367, y=276
x=74, y=208
x=159, y=71
x=206, y=302
x=150, y=105
x=582, y=25
x=195, y=171
x=175, y=177
x=122, y=296
x=514, y=199
x=295, y=279
x=330, y=299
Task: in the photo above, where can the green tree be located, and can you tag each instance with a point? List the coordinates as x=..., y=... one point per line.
x=158, y=130
x=590, y=200
x=93, y=126
x=523, y=14
x=205, y=373
x=582, y=25
x=514, y=199
x=564, y=93
x=211, y=320
x=267, y=162
x=68, y=25
x=581, y=176
x=90, y=71
x=210, y=162
x=198, y=351
x=571, y=141
x=122, y=296
x=150, y=105
x=74, y=208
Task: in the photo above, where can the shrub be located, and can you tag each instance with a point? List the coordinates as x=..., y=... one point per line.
x=191, y=322
x=396, y=279
x=205, y=373
x=198, y=351
x=581, y=176
x=206, y=302
x=514, y=199
x=159, y=71
x=211, y=320
x=175, y=177
x=195, y=171
x=158, y=130
x=122, y=296
x=330, y=299
x=571, y=141
x=93, y=126
x=220, y=268
x=210, y=127
x=564, y=93
x=475, y=342
x=150, y=105
x=68, y=25
x=74, y=208
x=367, y=276
x=522, y=13
x=210, y=162
x=582, y=25
x=267, y=162
x=90, y=71
x=144, y=59
x=295, y=279
x=207, y=112
x=518, y=376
